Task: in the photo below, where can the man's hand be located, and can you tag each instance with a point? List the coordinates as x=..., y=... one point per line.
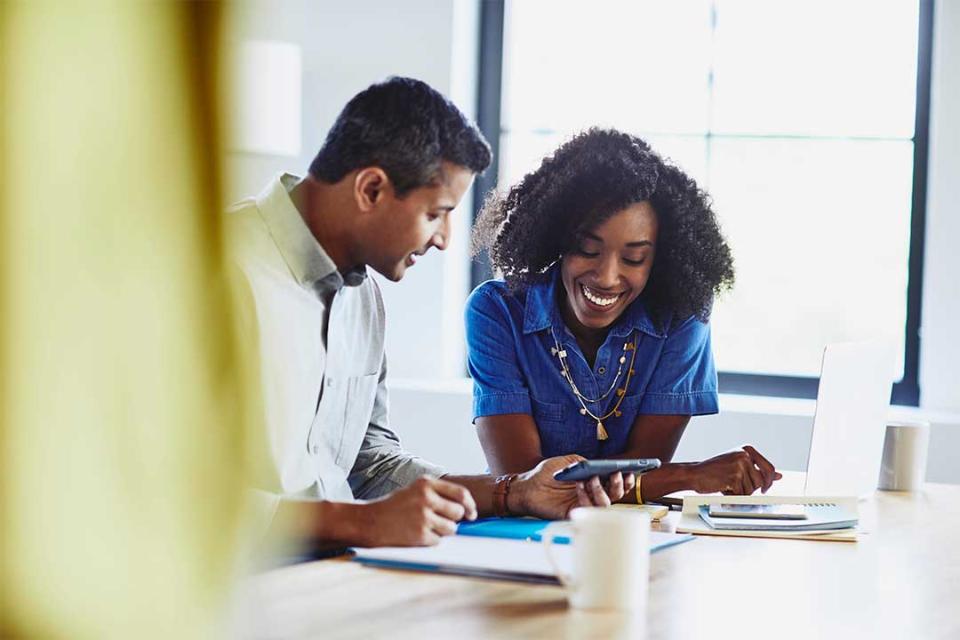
x=735, y=473
x=417, y=515
x=537, y=493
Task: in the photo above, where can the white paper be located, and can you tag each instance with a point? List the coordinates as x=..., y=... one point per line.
x=490, y=554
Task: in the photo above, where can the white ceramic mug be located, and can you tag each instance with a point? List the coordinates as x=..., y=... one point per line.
x=610, y=558
x=904, y=465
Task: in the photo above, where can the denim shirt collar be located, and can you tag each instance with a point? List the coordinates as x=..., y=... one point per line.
x=542, y=312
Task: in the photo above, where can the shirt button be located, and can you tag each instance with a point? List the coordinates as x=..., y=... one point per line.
x=601, y=370
x=331, y=383
x=315, y=449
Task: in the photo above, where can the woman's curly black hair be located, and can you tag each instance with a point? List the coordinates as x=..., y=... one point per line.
x=596, y=174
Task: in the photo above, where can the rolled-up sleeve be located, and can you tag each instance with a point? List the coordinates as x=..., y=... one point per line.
x=685, y=379
x=382, y=465
x=498, y=383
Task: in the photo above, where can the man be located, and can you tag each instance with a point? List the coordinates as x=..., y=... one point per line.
x=379, y=193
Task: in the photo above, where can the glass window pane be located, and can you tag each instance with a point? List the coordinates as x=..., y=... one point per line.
x=820, y=231
x=689, y=153
x=817, y=67
x=634, y=65
x=522, y=151
x=796, y=117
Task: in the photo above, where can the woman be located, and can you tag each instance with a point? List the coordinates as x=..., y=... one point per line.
x=597, y=340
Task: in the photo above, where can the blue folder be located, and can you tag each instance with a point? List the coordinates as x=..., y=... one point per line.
x=512, y=528
x=532, y=529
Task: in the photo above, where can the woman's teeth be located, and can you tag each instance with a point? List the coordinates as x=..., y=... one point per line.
x=598, y=300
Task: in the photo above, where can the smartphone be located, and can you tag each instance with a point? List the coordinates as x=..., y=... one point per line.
x=762, y=511
x=586, y=469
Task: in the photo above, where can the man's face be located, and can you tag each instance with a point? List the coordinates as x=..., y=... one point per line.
x=406, y=227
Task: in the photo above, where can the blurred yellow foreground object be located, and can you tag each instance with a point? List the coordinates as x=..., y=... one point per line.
x=123, y=395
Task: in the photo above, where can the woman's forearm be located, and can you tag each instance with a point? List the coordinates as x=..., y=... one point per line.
x=677, y=476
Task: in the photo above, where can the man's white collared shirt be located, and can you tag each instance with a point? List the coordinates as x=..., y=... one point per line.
x=323, y=369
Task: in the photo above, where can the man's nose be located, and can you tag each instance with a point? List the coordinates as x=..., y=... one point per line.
x=442, y=236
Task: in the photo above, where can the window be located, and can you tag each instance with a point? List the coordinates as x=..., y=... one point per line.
x=806, y=122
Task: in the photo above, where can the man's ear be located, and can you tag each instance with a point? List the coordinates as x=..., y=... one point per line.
x=370, y=186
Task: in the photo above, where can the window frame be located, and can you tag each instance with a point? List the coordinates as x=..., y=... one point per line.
x=905, y=391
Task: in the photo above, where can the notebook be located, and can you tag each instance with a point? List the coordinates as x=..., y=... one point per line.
x=821, y=516
x=690, y=521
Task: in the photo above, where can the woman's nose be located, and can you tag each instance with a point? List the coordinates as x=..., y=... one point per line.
x=608, y=272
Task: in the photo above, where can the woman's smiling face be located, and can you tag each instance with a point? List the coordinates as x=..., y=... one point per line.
x=609, y=267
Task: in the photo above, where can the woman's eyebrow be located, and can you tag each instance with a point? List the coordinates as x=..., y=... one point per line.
x=640, y=243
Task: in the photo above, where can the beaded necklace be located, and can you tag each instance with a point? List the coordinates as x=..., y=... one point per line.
x=561, y=355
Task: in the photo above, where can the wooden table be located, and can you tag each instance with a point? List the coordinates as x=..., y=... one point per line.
x=901, y=580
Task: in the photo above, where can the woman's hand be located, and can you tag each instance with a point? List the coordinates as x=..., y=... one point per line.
x=735, y=473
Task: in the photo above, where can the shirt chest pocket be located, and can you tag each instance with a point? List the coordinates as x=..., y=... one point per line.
x=556, y=436
x=359, y=395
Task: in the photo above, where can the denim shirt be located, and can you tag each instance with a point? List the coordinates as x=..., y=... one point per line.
x=509, y=340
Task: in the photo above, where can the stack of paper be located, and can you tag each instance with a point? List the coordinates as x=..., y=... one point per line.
x=819, y=517
x=474, y=556
x=484, y=557
x=825, y=515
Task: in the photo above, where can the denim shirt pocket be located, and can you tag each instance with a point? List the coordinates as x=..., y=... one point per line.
x=631, y=405
x=557, y=435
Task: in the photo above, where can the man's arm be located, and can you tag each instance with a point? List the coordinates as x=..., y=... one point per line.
x=429, y=508
x=382, y=465
x=415, y=515
x=536, y=493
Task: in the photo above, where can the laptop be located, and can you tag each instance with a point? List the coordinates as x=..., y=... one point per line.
x=849, y=425
x=846, y=444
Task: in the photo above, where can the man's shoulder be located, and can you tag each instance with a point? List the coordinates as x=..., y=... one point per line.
x=248, y=238
x=240, y=207
x=244, y=215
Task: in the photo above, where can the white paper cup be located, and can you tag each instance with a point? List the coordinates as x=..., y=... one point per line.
x=611, y=558
x=904, y=465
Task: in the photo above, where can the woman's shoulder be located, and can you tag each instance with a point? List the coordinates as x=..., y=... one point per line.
x=493, y=300
x=494, y=291
x=667, y=322
x=688, y=328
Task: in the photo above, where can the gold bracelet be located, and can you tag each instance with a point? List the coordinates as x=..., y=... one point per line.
x=637, y=488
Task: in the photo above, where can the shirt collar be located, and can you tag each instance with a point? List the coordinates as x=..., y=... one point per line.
x=542, y=312
x=306, y=259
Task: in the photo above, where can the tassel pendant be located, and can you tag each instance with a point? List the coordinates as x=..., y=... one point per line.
x=601, y=432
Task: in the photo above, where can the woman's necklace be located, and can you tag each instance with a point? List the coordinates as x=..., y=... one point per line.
x=561, y=355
